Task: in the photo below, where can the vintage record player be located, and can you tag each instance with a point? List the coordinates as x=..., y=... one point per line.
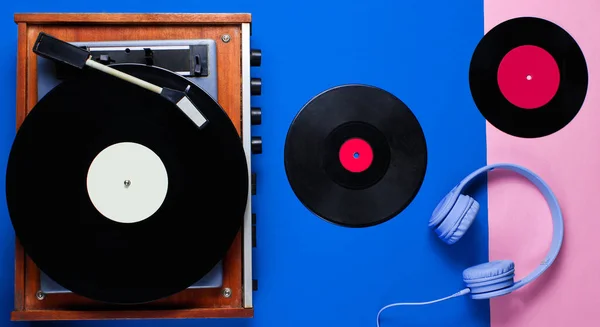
x=210, y=52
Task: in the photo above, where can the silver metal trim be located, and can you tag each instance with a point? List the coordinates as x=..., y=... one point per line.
x=153, y=47
x=246, y=136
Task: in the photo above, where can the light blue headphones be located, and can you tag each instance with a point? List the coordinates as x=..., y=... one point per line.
x=454, y=215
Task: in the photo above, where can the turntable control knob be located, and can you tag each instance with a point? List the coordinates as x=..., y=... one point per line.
x=255, y=57
x=255, y=116
x=255, y=86
x=256, y=145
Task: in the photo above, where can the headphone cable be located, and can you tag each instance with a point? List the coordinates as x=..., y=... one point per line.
x=457, y=294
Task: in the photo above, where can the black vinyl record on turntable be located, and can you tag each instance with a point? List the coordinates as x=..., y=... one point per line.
x=355, y=155
x=112, y=188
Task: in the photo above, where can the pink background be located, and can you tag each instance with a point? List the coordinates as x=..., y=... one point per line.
x=569, y=160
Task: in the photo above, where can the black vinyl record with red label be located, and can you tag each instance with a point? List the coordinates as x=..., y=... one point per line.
x=355, y=155
x=528, y=77
x=116, y=195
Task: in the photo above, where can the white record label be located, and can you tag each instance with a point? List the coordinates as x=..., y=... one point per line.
x=127, y=182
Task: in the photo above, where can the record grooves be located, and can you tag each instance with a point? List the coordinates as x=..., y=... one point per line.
x=102, y=259
x=528, y=77
x=355, y=155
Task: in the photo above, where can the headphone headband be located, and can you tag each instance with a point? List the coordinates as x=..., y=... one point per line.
x=557, y=218
x=486, y=288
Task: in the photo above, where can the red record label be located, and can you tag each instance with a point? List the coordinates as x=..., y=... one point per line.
x=356, y=155
x=528, y=77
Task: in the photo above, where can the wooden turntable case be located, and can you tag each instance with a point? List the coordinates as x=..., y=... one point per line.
x=233, y=95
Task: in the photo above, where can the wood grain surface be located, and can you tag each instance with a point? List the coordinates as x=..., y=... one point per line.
x=132, y=18
x=46, y=315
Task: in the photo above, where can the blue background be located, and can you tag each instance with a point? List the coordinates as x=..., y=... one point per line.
x=310, y=272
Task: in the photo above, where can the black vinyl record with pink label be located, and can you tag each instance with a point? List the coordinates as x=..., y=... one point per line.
x=355, y=155
x=528, y=77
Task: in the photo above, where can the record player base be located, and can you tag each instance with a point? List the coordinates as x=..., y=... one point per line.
x=43, y=315
x=30, y=305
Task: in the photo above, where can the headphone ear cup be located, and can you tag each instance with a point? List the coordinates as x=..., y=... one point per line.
x=490, y=279
x=466, y=221
x=443, y=208
x=458, y=220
